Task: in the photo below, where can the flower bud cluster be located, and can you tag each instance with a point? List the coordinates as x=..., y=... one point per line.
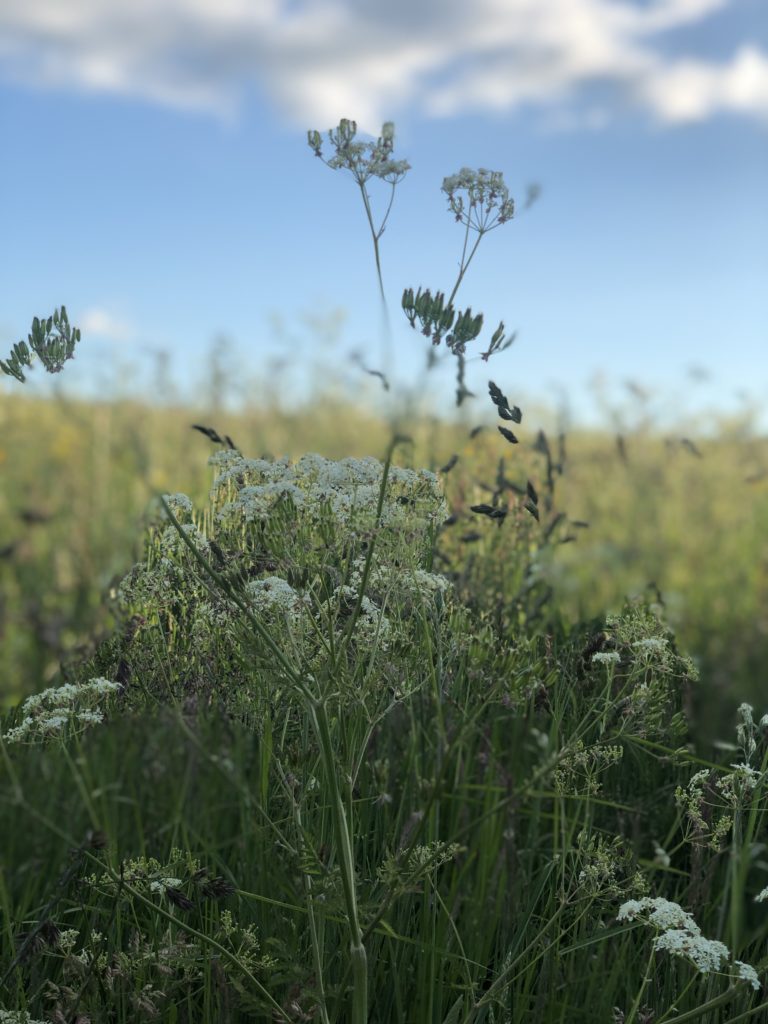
x=349, y=154
x=481, y=186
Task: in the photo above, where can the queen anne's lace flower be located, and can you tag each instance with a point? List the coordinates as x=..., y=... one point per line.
x=681, y=936
x=276, y=594
x=18, y=1017
x=180, y=504
x=350, y=487
x=705, y=954
x=46, y=713
x=607, y=657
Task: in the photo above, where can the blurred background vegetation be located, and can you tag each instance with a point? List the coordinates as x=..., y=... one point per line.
x=682, y=515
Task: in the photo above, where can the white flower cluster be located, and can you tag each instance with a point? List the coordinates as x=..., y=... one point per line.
x=607, y=657
x=268, y=518
x=68, y=940
x=18, y=1017
x=159, y=579
x=274, y=594
x=481, y=186
x=172, y=544
x=403, y=581
x=737, y=786
x=372, y=625
x=652, y=644
x=681, y=936
x=350, y=488
x=46, y=713
x=161, y=884
x=208, y=621
x=179, y=504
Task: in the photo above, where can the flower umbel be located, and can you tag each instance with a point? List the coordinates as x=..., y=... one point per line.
x=679, y=935
x=47, y=713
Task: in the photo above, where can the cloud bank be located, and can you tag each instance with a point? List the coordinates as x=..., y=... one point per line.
x=104, y=324
x=319, y=60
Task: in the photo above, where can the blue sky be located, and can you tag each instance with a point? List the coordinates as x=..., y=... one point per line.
x=156, y=178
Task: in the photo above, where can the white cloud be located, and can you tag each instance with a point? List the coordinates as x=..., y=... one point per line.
x=690, y=90
x=320, y=60
x=103, y=324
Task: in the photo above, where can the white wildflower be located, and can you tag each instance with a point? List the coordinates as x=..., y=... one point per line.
x=100, y=686
x=18, y=1017
x=160, y=885
x=748, y=973
x=652, y=643
x=762, y=896
x=89, y=717
x=738, y=785
x=67, y=940
x=431, y=583
x=681, y=936
x=607, y=657
x=179, y=504
x=276, y=594
x=46, y=713
x=225, y=458
x=171, y=542
x=706, y=954
x=371, y=626
x=663, y=913
x=660, y=855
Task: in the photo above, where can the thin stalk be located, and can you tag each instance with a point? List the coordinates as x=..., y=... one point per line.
x=358, y=959
x=319, y=719
x=646, y=978
x=369, y=554
x=310, y=901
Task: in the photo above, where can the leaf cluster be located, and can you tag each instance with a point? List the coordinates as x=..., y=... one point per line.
x=52, y=341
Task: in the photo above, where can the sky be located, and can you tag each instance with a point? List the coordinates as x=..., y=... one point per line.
x=155, y=177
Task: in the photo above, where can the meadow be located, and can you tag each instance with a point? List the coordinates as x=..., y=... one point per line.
x=344, y=718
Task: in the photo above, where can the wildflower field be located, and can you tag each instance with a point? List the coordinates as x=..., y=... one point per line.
x=346, y=718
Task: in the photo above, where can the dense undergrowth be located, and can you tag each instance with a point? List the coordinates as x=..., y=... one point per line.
x=328, y=738
x=506, y=790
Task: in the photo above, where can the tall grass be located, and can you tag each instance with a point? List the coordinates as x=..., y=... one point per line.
x=359, y=744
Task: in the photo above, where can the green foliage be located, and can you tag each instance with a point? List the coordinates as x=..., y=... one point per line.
x=346, y=757
x=52, y=341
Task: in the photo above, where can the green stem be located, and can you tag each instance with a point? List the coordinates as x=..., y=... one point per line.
x=646, y=978
x=319, y=720
x=386, y=342
x=357, y=953
x=310, y=900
